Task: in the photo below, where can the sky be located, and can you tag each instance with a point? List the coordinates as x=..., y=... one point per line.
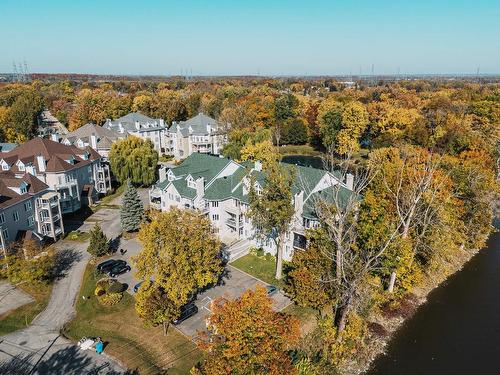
x=266, y=37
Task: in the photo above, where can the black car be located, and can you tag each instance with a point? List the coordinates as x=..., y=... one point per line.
x=137, y=286
x=187, y=311
x=118, y=269
x=107, y=265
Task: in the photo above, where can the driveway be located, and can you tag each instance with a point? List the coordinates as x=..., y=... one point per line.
x=234, y=284
x=40, y=344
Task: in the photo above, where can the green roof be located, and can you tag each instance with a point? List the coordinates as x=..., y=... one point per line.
x=222, y=188
x=201, y=165
x=184, y=190
x=328, y=195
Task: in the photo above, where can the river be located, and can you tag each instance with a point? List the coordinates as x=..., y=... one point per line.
x=458, y=330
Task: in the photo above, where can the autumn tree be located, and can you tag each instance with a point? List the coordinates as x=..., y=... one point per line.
x=308, y=276
x=154, y=307
x=132, y=210
x=134, y=159
x=271, y=209
x=248, y=335
x=179, y=252
x=342, y=125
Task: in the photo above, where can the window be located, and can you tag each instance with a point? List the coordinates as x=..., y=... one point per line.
x=23, y=189
x=2, y=218
x=5, y=167
x=15, y=215
x=215, y=217
x=27, y=206
x=215, y=204
x=5, y=234
x=31, y=221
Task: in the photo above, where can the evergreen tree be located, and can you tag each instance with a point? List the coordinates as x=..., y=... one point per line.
x=99, y=244
x=132, y=209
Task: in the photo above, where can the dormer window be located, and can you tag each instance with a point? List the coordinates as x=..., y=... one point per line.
x=23, y=188
x=71, y=160
x=5, y=166
x=190, y=182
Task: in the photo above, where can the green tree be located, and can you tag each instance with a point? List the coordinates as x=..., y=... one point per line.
x=99, y=244
x=24, y=112
x=132, y=210
x=134, y=159
x=179, y=252
x=271, y=208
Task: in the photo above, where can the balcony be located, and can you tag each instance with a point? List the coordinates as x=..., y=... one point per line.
x=68, y=184
x=232, y=222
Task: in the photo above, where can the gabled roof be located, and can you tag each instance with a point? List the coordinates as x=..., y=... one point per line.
x=128, y=122
x=54, y=153
x=4, y=147
x=8, y=180
x=201, y=165
x=198, y=125
x=105, y=136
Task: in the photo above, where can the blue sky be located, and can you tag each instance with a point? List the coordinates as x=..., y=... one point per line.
x=271, y=37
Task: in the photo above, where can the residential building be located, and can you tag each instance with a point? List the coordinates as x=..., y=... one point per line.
x=200, y=133
x=4, y=147
x=76, y=174
x=141, y=126
x=27, y=208
x=91, y=135
x=219, y=188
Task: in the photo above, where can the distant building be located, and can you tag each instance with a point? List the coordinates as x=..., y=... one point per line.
x=219, y=188
x=5, y=147
x=141, y=126
x=91, y=135
x=27, y=209
x=77, y=175
x=199, y=134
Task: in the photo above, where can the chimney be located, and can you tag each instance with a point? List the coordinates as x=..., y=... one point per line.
x=162, y=123
x=93, y=141
x=162, y=173
x=298, y=203
x=258, y=166
x=54, y=137
x=200, y=187
x=137, y=125
x=209, y=129
x=31, y=170
x=41, y=163
x=349, y=181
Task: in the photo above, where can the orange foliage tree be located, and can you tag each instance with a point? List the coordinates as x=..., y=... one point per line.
x=246, y=336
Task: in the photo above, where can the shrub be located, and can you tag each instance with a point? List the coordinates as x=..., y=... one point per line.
x=269, y=257
x=115, y=287
x=99, y=291
x=110, y=299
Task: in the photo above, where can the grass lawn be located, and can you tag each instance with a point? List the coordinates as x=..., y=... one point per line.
x=24, y=315
x=306, y=316
x=259, y=267
x=299, y=150
x=76, y=235
x=146, y=350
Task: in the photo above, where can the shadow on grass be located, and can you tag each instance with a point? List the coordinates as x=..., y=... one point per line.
x=67, y=361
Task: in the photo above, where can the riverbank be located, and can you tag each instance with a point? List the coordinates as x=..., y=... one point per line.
x=387, y=324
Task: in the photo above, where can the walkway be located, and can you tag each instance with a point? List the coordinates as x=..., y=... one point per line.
x=40, y=344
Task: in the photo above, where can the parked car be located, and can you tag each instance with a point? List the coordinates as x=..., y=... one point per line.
x=106, y=266
x=187, y=311
x=271, y=290
x=118, y=269
x=137, y=286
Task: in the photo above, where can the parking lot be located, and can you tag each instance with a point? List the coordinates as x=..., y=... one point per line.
x=234, y=284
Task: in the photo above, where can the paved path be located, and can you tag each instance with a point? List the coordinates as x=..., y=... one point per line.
x=40, y=343
x=11, y=297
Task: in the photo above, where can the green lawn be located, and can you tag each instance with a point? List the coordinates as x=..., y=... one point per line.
x=76, y=235
x=24, y=315
x=144, y=349
x=299, y=150
x=259, y=267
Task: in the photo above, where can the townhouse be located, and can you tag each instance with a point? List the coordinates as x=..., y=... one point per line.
x=200, y=133
x=141, y=126
x=219, y=188
x=77, y=175
x=28, y=209
x=91, y=135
